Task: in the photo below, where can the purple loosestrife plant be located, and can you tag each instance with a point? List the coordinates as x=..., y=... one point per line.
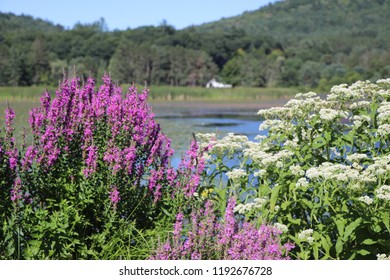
x=11, y=191
x=9, y=157
x=100, y=138
x=209, y=237
x=97, y=165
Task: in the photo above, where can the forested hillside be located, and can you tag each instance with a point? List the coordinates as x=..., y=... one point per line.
x=313, y=43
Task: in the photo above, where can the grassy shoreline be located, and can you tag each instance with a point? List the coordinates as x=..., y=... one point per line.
x=170, y=93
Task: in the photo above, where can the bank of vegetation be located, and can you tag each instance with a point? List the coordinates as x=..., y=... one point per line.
x=312, y=43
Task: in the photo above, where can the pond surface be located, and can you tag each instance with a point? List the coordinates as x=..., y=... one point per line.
x=180, y=130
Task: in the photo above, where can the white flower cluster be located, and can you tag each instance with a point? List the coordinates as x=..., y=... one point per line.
x=383, y=130
x=306, y=235
x=277, y=158
x=384, y=113
x=230, y=143
x=265, y=159
x=236, y=173
x=206, y=138
x=360, y=105
x=359, y=120
x=384, y=93
x=297, y=170
x=292, y=144
x=343, y=92
x=260, y=173
x=366, y=199
x=330, y=171
x=331, y=114
x=356, y=157
x=305, y=104
x=302, y=183
x=383, y=81
x=383, y=257
x=383, y=193
x=281, y=227
x=275, y=112
x=248, y=207
x=275, y=125
x=379, y=167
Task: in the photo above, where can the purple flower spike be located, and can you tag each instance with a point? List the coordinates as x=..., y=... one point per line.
x=114, y=196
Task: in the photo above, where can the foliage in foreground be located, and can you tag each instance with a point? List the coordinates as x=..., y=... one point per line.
x=321, y=175
x=96, y=181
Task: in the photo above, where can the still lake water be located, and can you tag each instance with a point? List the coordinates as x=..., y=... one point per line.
x=180, y=129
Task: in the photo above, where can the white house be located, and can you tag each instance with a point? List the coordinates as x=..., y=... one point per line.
x=214, y=84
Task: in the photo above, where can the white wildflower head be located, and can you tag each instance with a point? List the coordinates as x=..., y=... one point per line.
x=343, y=92
x=366, y=199
x=292, y=144
x=306, y=235
x=296, y=170
x=384, y=93
x=243, y=209
x=383, y=257
x=236, y=174
x=281, y=227
x=384, y=81
x=383, y=193
x=328, y=114
x=384, y=113
x=260, y=173
x=331, y=114
x=229, y=144
x=357, y=157
x=206, y=137
x=358, y=121
x=302, y=183
x=383, y=130
x=360, y=105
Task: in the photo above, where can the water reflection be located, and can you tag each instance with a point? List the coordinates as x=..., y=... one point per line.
x=180, y=129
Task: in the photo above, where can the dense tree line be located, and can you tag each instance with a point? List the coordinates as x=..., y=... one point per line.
x=313, y=43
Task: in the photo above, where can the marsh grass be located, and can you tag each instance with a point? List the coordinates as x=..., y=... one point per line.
x=167, y=93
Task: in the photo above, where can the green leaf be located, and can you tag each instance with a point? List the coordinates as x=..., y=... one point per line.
x=274, y=197
x=369, y=241
x=386, y=220
x=339, y=246
x=285, y=204
x=328, y=136
x=315, y=251
x=166, y=212
x=308, y=203
x=363, y=252
x=292, y=220
x=325, y=243
x=340, y=226
x=350, y=228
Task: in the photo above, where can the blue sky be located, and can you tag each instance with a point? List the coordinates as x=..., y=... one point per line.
x=121, y=14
